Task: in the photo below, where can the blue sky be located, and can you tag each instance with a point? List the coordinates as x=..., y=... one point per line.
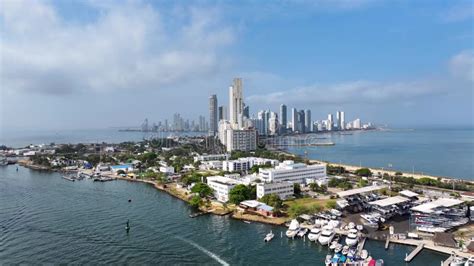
x=87, y=63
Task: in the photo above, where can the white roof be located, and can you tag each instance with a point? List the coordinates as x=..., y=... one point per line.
x=359, y=190
x=389, y=201
x=408, y=193
x=442, y=202
x=250, y=203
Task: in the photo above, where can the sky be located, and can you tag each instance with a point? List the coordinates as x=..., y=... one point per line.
x=72, y=64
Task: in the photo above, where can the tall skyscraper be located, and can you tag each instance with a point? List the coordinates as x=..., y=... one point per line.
x=301, y=119
x=294, y=119
x=246, y=111
x=343, y=122
x=283, y=122
x=273, y=124
x=213, y=115
x=236, y=103
x=307, y=121
x=330, y=122
x=221, y=113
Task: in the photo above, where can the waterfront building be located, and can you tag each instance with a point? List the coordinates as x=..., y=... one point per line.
x=284, y=189
x=356, y=124
x=221, y=186
x=245, y=163
x=211, y=157
x=301, y=122
x=213, y=118
x=343, y=121
x=236, y=103
x=293, y=172
x=241, y=140
x=294, y=120
x=307, y=121
x=283, y=119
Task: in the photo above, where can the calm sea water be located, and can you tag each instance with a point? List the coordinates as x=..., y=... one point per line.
x=46, y=219
x=440, y=152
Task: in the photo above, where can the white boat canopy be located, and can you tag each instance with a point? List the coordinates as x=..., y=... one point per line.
x=390, y=201
x=408, y=193
x=361, y=190
x=442, y=202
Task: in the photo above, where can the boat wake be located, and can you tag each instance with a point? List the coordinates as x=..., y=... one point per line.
x=209, y=253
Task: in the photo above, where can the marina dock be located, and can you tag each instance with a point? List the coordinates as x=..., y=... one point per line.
x=387, y=242
x=414, y=252
x=448, y=261
x=361, y=245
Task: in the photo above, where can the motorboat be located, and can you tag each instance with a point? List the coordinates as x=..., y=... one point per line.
x=364, y=254
x=293, y=228
x=335, y=259
x=333, y=245
x=335, y=212
x=352, y=253
x=314, y=234
x=351, y=225
x=302, y=232
x=352, y=239
x=470, y=261
x=328, y=260
x=326, y=235
x=359, y=227
x=338, y=248
x=458, y=261
x=269, y=237
x=345, y=250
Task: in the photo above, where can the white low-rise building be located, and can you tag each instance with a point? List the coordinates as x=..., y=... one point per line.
x=221, y=186
x=167, y=169
x=294, y=172
x=284, y=190
x=208, y=165
x=211, y=157
x=243, y=164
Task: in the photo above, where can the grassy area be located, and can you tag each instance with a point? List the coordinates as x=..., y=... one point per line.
x=258, y=218
x=307, y=202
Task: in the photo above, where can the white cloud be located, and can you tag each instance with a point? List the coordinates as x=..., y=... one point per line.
x=129, y=46
x=349, y=92
x=462, y=65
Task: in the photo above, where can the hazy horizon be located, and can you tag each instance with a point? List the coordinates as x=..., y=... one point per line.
x=100, y=64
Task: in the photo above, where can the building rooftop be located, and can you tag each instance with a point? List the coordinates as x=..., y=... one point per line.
x=222, y=180
x=408, y=193
x=389, y=201
x=361, y=190
x=442, y=202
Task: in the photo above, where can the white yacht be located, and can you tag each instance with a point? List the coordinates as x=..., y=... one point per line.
x=326, y=235
x=293, y=228
x=352, y=239
x=314, y=234
x=470, y=261
x=302, y=232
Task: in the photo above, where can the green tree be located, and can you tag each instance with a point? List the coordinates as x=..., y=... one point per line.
x=272, y=200
x=239, y=193
x=195, y=201
x=296, y=210
x=202, y=189
x=317, y=188
x=297, y=189
x=363, y=172
x=362, y=183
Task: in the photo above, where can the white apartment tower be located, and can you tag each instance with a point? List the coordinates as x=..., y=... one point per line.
x=213, y=119
x=330, y=122
x=294, y=119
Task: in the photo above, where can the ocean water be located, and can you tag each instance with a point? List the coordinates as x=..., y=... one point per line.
x=46, y=219
x=439, y=152
x=435, y=151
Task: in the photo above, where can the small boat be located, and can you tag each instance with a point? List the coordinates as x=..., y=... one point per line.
x=127, y=226
x=338, y=248
x=351, y=225
x=352, y=239
x=333, y=245
x=69, y=178
x=364, y=254
x=269, y=237
x=328, y=260
x=379, y=262
x=247, y=222
x=351, y=254
x=359, y=227
x=302, y=232
x=335, y=212
x=345, y=250
x=314, y=234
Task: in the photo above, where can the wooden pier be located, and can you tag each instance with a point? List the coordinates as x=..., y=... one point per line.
x=415, y=252
x=361, y=245
x=448, y=261
x=387, y=242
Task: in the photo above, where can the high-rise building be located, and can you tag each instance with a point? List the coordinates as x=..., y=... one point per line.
x=307, y=121
x=266, y=122
x=338, y=120
x=213, y=115
x=236, y=103
x=356, y=124
x=273, y=125
x=301, y=119
x=330, y=122
x=294, y=119
x=241, y=140
x=221, y=113
x=283, y=122
x=246, y=112
x=343, y=122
